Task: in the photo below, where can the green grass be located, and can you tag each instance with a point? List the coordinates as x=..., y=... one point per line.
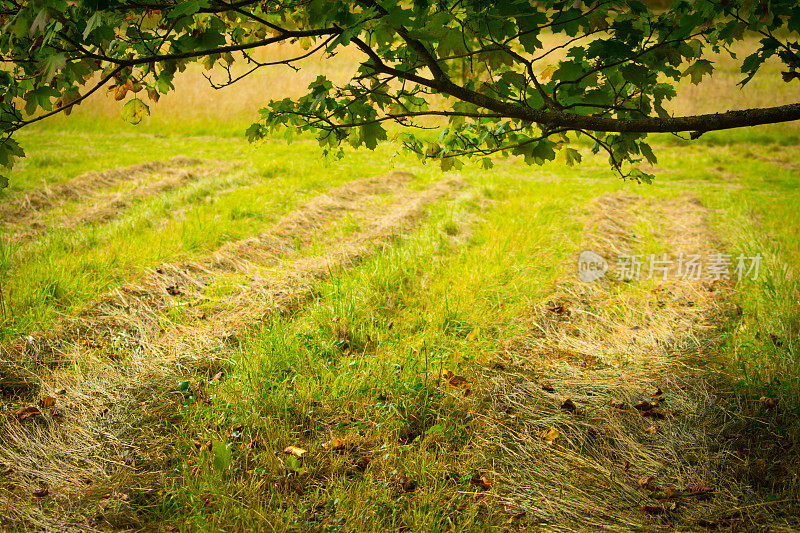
x=360, y=360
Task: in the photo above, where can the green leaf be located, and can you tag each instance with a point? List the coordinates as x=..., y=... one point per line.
x=52, y=64
x=40, y=22
x=572, y=156
x=636, y=74
x=222, y=455
x=94, y=21
x=10, y=150
x=647, y=152
x=134, y=111
x=184, y=9
x=697, y=70
x=371, y=134
x=450, y=163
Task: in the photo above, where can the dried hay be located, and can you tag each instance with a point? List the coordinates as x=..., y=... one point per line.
x=92, y=204
x=29, y=203
x=583, y=367
x=101, y=448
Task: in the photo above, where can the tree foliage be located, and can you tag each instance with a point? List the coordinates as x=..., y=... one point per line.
x=488, y=67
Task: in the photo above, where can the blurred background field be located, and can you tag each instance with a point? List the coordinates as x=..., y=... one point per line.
x=195, y=108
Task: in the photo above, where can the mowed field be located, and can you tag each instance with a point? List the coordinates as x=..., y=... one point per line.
x=200, y=334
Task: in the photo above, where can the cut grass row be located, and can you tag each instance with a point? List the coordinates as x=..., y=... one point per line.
x=361, y=361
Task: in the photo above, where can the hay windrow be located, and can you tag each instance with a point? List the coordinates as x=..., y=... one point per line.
x=86, y=199
x=606, y=352
x=109, y=432
x=27, y=204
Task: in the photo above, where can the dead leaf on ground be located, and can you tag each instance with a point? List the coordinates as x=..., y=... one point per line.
x=482, y=481
x=334, y=444
x=658, y=392
x=408, y=484
x=41, y=493
x=616, y=405
x=646, y=482
x=47, y=401
x=363, y=462
x=174, y=290
x=769, y=403
x=294, y=450
x=547, y=387
x=557, y=309
x=455, y=380
x=652, y=414
x=653, y=509
x=216, y=377
x=27, y=412
x=569, y=405
x=643, y=406
x=550, y=436
x=699, y=489
x=467, y=389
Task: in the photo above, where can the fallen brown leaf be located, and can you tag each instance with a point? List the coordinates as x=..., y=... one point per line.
x=616, y=405
x=646, y=482
x=174, y=290
x=334, y=444
x=216, y=377
x=769, y=403
x=41, y=493
x=643, y=406
x=652, y=509
x=47, y=401
x=294, y=450
x=457, y=381
x=652, y=414
x=699, y=489
x=408, y=484
x=550, y=436
x=482, y=481
x=27, y=412
x=568, y=405
x=547, y=387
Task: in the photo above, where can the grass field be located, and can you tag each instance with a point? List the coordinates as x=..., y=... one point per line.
x=248, y=337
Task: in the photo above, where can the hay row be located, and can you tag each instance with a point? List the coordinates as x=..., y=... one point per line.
x=112, y=423
x=580, y=371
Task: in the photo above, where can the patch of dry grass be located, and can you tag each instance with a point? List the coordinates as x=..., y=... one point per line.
x=111, y=371
x=610, y=413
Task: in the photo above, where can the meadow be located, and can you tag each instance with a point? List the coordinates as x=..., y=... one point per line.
x=202, y=334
